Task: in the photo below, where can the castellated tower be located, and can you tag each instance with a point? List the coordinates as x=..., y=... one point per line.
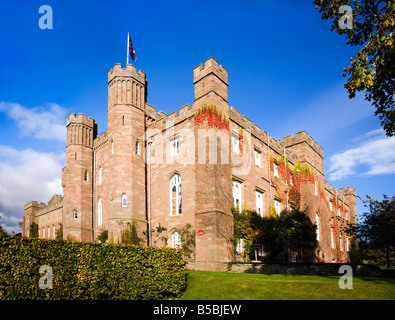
x=126, y=127
x=211, y=83
x=77, y=178
x=213, y=180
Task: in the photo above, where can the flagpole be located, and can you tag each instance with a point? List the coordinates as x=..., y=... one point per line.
x=127, y=51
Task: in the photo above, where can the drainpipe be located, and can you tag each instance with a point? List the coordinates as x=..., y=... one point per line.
x=149, y=192
x=270, y=179
x=286, y=182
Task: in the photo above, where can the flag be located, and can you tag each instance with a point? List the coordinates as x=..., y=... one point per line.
x=131, y=50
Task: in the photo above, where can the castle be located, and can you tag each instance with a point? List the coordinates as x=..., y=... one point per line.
x=187, y=167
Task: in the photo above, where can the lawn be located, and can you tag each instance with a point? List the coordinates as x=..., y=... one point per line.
x=210, y=285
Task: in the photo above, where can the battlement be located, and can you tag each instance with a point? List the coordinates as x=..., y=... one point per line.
x=34, y=204
x=300, y=137
x=129, y=71
x=210, y=66
x=275, y=144
x=209, y=79
x=54, y=203
x=100, y=140
x=164, y=120
x=349, y=191
x=80, y=118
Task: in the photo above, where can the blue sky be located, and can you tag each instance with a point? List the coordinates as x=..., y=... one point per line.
x=284, y=69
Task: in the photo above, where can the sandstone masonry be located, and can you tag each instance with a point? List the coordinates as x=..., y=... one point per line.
x=188, y=167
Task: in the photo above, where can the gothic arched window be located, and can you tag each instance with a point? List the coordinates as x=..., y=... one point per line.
x=175, y=195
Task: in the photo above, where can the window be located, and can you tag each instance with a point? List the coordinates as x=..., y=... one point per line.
x=75, y=214
x=124, y=200
x=100, y=175
x=317, y=223
x=174, y=146
x=137, y=148
x=49, y=232
x=175, y=195
x=99, y=213
x=332, y=238
x=53, y=231
x=176, y=240
x=315, y=188
x=347, y=248
x=277, y=206
x=239, y=245
x=261, y=250
x=237, y=195
x=235, y=142
x=340, y=243
x=43, y=232
x=330, y=205
x=259, y=203
x=257, y=156
x=123, y=120
x=275, y=170
x=86, y=176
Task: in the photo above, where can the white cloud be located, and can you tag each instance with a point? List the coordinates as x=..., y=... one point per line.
x=374, y=154
x=41, y=123
x=26, y=175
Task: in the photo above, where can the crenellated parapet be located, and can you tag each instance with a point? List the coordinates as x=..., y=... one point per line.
x=210, y=79
x=54, y=203
x=126, y=86
x=81, y=130
x=100, y=141
x=301, y=137
x=129, y=71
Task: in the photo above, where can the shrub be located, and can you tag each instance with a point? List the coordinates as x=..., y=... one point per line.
x=89, y=270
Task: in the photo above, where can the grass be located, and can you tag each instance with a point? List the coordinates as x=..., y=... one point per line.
x=210, y=285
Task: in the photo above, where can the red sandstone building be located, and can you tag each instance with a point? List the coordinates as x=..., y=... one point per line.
x=190, y=166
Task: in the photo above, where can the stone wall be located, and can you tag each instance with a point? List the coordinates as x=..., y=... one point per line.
x=318, y=269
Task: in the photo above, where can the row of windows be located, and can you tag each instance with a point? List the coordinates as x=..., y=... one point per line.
x=45, y=232
x=258, y=199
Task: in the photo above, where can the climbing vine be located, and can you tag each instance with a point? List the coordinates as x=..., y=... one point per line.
x=213, y=115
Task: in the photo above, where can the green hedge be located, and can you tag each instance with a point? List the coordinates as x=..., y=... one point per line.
x=89, y=270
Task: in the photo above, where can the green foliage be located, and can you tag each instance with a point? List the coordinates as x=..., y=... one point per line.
x=103, y=236
x=89, y=270
x=295, y=231
x=291, y=231
x=59, y=233
x=372, y=70
x=129, y=234
x=188, y=241
x=377, y=227
x=33, y=230
x=253, y=228
x=156, y=235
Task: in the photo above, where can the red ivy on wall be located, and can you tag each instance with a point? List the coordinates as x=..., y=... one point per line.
x=213, y=115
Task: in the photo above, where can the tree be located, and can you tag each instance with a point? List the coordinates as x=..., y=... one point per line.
x=378, y=225
x=248, y=225
x=33, y=230
x=129, y=234
x=2, y=232
x=59, y=233
x=370, y=26
x=294, y=232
